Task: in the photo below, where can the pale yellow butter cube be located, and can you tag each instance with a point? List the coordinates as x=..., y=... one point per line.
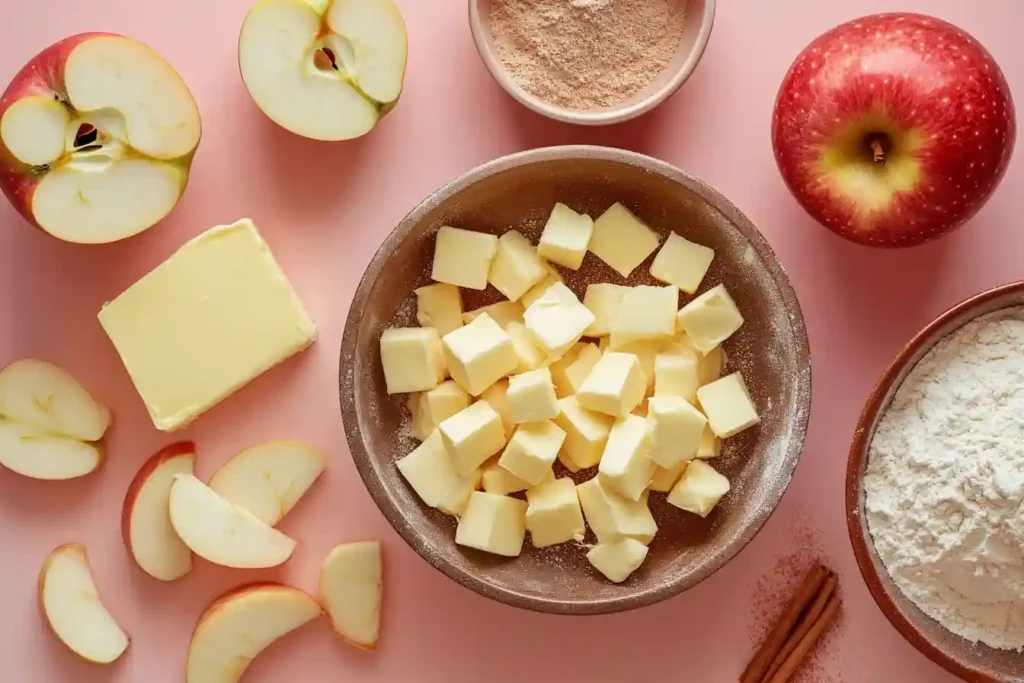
x=493, y=524
x=603, y=300
x=430, y=472
x=615, y=386
x=710, y=319
x=557, y=320
x=496, y=479
x=516, y=267
x=645, y=313
x=664, y=479
x=432, y=407
x=553, y=513
x=439, y=306
x=495, y=395
x=552, y=278
x=566, y=237
x=503, y=313
x=463, y=257
x=646, y=352
x=458, y=498
x=674, y=428
x=471, y=436
x=532, y=450
x=710, y=365
x=530, y=355
x=622, y=240
x=531, y=397
x=580, y=369
x=586, y=433
x=728, y=405
x=677, y=374
x=612, y=516
x=617, y=559
x=682, y=263
x=625, y=465
x=699, y=489
x=479, y=354
x=710, y=445
x=563, y=387
x=412, y=358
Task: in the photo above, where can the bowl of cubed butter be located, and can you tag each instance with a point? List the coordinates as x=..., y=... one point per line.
x=576, y=380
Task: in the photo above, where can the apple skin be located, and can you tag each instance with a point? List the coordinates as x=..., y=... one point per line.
x=940, y=92
x=160, y=457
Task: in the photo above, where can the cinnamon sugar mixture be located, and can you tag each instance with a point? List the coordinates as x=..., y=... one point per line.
x=586, y=54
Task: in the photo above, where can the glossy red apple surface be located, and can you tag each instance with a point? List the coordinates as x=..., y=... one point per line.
x=893, y=129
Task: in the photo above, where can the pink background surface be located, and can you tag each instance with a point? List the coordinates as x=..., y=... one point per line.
x=324, y=209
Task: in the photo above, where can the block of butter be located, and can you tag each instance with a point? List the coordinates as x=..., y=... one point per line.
x=699, y=489
x=494, y=524
x=710, y=319
x=205, y=322
x=728, y=405
x=618, y=559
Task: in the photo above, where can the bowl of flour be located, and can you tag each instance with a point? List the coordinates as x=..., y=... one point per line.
x=935, y=489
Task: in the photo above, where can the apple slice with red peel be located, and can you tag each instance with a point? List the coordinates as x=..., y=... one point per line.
x=239, y=625
x=269, y=479
x=351, y=588
x=146, y=520
x=97, y=135
x=223, y=533
x=72, y=608
x=324, y=69
x=41, y=455
x=40, y=395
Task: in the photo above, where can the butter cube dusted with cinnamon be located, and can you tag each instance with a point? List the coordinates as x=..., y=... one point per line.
x=471, y=436
x=615, y=386
x=603, y=300
x=553, y=513
x=710, y=319
x=552, y=278
x=645, y=313
x=566, y=237
x=557, y=319
x=432, y=407
x=429, y=471
x=503, y=313
x=625, y=466
x=728, y=405
x=439, y=306
x=479, y=354
x=699, y=489
x=413, y=359
x=617, y=559
x=463, y=257
x=493, y=524
x=612, y=516
x=682, y=263
x=516, y=267
x=674, y=430
x=586, y=434
x=530, y=355
x=622, y=240
x=496, y=479
x=532, y=450
x=531, y=396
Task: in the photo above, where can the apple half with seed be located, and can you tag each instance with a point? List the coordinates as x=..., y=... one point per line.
x=97, y=134
x=324, y=69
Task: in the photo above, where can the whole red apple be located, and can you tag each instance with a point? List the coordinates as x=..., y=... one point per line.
x=893, y=129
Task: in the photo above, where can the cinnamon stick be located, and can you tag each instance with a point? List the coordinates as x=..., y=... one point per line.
x=776, y=639
x=799, y=654
x=805, y=624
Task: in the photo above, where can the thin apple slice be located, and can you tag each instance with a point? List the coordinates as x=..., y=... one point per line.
x=41, y=395
x=71, y=605
x=146, y=520
x=351, y=588
x=269, y=479
x=242, y=623
x=223, y=533
x=40, y=455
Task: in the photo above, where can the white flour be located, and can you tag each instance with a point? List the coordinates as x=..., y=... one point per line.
x=945, y=482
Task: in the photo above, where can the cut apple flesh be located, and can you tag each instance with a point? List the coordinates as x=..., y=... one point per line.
x=41, y=455
x=351, y=588
x=33, y=130
x=41, y=395
x=326, y=71
x=72, y=607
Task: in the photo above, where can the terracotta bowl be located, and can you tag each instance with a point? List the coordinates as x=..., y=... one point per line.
x=699, y=18
x=972, y=662
x=770, y=349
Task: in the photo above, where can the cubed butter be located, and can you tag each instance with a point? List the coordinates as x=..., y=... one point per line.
x=458, y=498
x=479, y=354
x=493, y=524
x=622, y=240
x=496, y=479
x=530, y=355
x=537, y=291
x=674, y=428
x=563, y=387
x=430, y=472
x=439, y=306
x=580, y=369
x=586, y=433
x=557, y=320
x=471, y=436
x=463, y=257
x=603, y=300
x=710, y=445
x=532, y=450
x=432, y=407
x=646, y=352
x=728, y=405
x=531, y=397
x=664, y=479
x=553, y=513
x=710, y=319
x=699, y=489
x=516, y=267
x=503, y=313
x=682, y=263
x=205, y=322
x=710, y=365
x=495, y=396
x=677, y=374
x=645, y=313
x=566, y=237
x=626, y=467
x=617, y=559
x=611, y=516
x=615, y=386
x=413, y=359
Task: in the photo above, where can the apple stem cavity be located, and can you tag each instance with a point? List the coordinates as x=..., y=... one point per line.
x=878, y=145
